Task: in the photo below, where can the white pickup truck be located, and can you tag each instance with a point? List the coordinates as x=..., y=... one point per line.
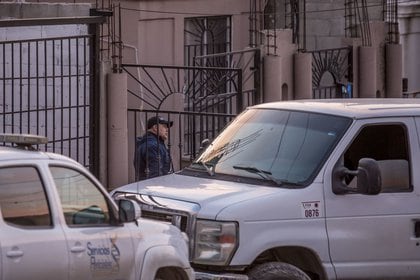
x=58, y=222
x=311, y=189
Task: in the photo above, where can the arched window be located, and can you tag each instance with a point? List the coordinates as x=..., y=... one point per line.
x=284, y=92
x=274, y=17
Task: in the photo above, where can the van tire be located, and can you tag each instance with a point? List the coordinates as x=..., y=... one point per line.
x=277, y=271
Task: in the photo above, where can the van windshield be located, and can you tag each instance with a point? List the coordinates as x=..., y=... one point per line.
x=284, y=147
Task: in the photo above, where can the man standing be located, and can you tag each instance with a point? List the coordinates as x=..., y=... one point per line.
x=152, y=157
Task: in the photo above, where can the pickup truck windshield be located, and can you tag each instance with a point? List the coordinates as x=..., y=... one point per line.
x=284, y=147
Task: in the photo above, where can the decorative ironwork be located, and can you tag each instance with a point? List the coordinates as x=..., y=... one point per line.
x=206, y=35
x=208, y=107
x=110, y=40
x=357, y=21
x=249, y=61
x=296, y=20
x=266, y=16
x=390, y=8
x=336, y=62
x=255, y=20
x=202, y=87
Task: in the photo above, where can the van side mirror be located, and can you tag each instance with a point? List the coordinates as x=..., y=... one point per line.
x=368, y=178
x=128, y=211
x=204, y=144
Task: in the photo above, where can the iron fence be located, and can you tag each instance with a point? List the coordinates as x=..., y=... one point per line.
x=337, y=63
x=186, y=135
x=249, y=61
x=48, y=87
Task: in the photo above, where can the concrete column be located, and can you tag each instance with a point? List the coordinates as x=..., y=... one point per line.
x=117, y=130
x=272, y=78
x=367, y=72
x=303, y=75
x=393, y=72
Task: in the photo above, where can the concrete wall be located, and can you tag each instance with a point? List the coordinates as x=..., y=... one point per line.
x=325, y=22
x=23, y=10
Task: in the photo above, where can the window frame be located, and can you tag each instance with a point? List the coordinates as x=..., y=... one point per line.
x=112, y=210
x=408, y=149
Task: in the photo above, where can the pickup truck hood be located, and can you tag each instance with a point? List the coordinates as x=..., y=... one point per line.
x=212, y=196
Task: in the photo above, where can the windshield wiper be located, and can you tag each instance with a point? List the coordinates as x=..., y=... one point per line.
x=265, y=175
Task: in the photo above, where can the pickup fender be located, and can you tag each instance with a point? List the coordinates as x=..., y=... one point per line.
x=164, y=256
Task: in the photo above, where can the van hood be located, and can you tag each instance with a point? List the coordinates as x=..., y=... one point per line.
x=209, y=195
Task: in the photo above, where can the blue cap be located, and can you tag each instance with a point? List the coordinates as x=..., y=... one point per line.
x=158, y=120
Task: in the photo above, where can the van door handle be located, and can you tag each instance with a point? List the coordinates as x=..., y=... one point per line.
x=417, y=229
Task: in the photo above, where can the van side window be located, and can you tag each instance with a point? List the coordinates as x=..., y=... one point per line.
x=23, y=200
x=388, y=145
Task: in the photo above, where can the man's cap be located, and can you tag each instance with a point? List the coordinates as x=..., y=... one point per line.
x=158, y=120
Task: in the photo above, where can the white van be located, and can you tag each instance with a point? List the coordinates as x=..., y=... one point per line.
x=311, y=189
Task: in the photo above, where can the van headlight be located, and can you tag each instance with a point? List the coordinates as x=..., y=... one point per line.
x=215, y=242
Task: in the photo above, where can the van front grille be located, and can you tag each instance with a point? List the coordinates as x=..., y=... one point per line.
x=172, y=218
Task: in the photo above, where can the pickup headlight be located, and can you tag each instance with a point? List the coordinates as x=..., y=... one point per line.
x=215, y=242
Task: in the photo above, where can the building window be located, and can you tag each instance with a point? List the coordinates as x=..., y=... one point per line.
x=206, y=35
x=274, y=16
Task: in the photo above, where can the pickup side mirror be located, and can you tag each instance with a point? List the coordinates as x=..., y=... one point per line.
x=128, y=210
x=368, y=178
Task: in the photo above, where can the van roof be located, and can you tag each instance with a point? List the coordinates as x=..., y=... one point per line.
x=357, y=108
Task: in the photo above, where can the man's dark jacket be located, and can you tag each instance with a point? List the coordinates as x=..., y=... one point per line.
x=151, y=158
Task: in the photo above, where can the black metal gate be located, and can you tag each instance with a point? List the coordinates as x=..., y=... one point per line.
x=206, y=105
x=48, y=87
x=213, y=91
x=249, y=61
x=332, y=73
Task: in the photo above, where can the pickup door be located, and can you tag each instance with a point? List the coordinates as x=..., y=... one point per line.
x=33, y=244
x=374, y=236
x=98, y=248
